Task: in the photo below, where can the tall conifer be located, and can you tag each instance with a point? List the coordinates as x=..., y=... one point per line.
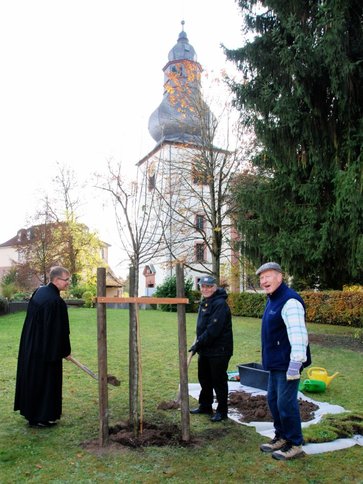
x=302, y=94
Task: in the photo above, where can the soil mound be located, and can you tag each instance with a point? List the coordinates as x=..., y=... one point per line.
x=123, y=433
x=171, y=405
x=254, y=408
x=250, y=407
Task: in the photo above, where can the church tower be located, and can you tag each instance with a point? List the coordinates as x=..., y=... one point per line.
x=179, y=175
x=178, y=117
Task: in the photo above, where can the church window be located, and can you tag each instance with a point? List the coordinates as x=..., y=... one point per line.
x=199, y=222
x=199, y=252
x=151, y=182
x=198, y=176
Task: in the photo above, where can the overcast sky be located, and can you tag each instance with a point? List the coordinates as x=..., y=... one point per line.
x=79, y=80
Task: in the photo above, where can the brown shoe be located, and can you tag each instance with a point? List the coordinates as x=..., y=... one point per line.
x=288, y=451
x=275, y=444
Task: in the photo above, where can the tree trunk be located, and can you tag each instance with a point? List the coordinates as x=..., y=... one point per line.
x=134, y=356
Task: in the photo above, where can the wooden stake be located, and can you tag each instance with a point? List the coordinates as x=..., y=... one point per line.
x=102, y=358
x=183, y=365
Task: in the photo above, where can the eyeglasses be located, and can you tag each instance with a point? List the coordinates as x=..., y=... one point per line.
x=65, y=280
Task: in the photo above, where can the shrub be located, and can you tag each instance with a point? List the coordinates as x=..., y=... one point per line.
x=8, y=290
x=343, y=308
x=194, y=298
x=3, y=305
x=87, y=297
x=21, y=296
x=354, y=288
x=78, y=290
x=248, y=304
x=168, y=289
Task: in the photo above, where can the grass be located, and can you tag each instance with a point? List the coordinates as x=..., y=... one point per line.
x=228, y=452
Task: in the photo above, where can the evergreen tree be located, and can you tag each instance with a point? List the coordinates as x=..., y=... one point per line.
x=302, y=93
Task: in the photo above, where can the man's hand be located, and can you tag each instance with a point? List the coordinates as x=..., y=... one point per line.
x=194, y=348
x=293, y=372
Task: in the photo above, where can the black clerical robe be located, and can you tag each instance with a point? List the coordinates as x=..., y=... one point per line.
x=44, y=342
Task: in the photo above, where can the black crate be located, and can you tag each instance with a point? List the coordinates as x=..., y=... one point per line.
x=253, y=375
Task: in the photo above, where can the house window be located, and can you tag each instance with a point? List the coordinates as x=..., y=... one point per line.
x=199, y=252
x=199, y=222
x=199, y=176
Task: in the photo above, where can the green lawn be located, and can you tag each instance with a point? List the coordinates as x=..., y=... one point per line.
x=228, y=452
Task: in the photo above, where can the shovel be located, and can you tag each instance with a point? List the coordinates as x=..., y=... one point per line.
x=112, y=380
x=173, y=404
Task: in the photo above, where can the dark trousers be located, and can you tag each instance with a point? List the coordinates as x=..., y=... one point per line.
x=284, y=407
x=212, y=375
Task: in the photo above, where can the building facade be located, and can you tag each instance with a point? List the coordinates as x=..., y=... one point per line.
x=12, y=256
x=186, y=181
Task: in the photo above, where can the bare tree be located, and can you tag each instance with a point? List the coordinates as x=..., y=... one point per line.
x=81, y=252
x=56, y=236
x=39, y=246
x=135, y=217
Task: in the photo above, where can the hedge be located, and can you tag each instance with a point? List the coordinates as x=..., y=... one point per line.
x=334, y=307
x=247, y=304
x=342, y=308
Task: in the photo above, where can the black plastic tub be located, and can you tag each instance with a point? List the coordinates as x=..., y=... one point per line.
x=253, y=375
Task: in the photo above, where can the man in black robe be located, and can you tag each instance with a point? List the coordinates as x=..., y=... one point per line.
x=44, y=342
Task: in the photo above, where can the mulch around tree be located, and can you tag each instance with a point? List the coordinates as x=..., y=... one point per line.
x=152, y=434
x=250, y=407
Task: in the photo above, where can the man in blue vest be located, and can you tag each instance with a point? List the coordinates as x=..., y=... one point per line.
x=285, y=351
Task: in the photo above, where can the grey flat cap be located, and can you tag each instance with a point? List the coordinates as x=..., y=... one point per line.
x=269, y=266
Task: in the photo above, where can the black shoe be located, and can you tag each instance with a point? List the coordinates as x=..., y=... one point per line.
x=42, y=425
x=218, y=417
x=199, y=410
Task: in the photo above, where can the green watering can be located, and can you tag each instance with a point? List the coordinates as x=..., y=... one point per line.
x=314, y=386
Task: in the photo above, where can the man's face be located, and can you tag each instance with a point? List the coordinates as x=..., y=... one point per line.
x=207, y=290
x=270, y=280
x=62, y=282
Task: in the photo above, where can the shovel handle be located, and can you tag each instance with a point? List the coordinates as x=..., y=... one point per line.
x=82, y=367
x=178, y=397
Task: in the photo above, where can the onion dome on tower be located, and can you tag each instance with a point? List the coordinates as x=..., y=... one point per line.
x=182, y=116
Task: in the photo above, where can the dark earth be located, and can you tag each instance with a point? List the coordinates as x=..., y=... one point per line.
x=250, y=407
x=254, y=408
x=331, y=340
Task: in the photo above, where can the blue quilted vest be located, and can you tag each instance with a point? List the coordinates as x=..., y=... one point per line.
x=276, y=347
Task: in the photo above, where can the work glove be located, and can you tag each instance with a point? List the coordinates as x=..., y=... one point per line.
x=194, y=348
x=293, y=371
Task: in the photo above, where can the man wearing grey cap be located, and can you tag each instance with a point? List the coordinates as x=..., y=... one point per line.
x=285, y=351
x=214, y=345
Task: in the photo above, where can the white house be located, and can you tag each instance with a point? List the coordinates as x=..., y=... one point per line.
x=10, y=256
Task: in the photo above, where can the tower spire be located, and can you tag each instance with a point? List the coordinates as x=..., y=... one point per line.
x=171, y=121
